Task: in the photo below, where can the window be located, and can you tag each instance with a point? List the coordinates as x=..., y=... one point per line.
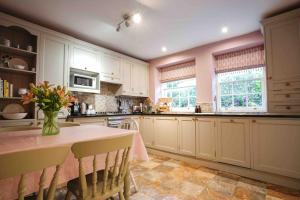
x=242, y=90
x=183, y=93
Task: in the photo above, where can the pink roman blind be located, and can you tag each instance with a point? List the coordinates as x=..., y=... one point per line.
x=243, y=59
x=178, y=71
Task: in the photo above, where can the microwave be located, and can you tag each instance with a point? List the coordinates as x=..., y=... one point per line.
x=84, y=80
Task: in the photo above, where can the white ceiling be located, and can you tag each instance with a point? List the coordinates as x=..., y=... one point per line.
x=176, y=24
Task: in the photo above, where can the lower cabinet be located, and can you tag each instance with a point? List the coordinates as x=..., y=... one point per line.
x=187, y=136
x=276, y=146
x=206, y=138
x=233, y=142
x=147, y=130
x=166, y=133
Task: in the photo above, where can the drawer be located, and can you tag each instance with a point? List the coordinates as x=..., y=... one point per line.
x=284, y=107
x=284, y=85
x=285, y=96
x=109, y=78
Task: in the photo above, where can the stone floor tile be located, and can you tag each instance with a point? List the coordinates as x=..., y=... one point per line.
x=219, y=185
x=245, y=193
x=149, y=164
x=191, y=189
x=140, y=196
x=171, y=163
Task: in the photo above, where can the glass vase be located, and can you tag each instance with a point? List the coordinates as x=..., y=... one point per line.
x=50, y=126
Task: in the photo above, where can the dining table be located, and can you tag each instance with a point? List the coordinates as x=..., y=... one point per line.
x=16, y=141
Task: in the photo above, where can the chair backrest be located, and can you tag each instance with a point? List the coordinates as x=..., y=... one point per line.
x=129, y=124
x=120, y=145
x=21, y=163
x=18, y=128
x=68, y=124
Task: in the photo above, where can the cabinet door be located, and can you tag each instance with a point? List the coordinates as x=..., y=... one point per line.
x=110, y=68
x=126, y=77
x=187, y=136
x=84, y=58
x=147, y=130
x=135, y=80
x=53, y=60
x=282, y=37
x=166, y=134
x=206, y=138
x=233, y=142
x=276, y=146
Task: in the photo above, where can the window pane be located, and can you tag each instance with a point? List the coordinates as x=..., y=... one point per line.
x=254, y=86
x=192, y=92
x=175, y=102
x=183, y=102
x=226, y=88
x=192, y=101
x=175, y=94
x=183, y=93
x=226, y=101
x=239, y=100
x=239, y=87
x=169, y=85
x=255, y=100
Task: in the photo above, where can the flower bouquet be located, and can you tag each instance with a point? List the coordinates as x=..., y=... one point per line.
x=50, y=99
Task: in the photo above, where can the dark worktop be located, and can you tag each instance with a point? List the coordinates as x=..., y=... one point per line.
x=216, y=114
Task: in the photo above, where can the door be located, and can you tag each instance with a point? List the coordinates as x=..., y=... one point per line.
x=84, y=58
x=135, y=79
x=206, y=138
x=187, y=136
x=54, y=54
x=233, y=142
x=126, y=77
x=276, y=146
x=147, y=129
x=110, y=68
x=166, y=134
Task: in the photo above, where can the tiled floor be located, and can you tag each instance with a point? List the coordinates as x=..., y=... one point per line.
x=162, y=178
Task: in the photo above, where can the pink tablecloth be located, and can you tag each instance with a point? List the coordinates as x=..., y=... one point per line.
x=26, y=140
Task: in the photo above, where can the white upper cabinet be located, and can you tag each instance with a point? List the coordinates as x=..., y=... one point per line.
x=206, y=138
x=276, y=146
x=54, y=60
x=233, y=142
x=110, y=70
x=84, y=58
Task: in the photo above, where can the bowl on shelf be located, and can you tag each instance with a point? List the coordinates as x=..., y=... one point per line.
x=22, y=91
x=14, y=115
x=22, y=67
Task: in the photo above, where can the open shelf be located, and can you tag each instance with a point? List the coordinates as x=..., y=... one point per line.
x=17, y=70
x=17, y=51
x=12, y=98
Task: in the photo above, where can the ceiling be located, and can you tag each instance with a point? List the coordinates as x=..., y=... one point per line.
x=176, y=24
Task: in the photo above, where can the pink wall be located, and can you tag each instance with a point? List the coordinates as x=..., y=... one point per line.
x=203, y=56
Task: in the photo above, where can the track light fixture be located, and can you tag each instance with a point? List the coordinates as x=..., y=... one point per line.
x=136, y=18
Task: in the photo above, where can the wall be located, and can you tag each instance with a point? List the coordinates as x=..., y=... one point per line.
x=203, y=55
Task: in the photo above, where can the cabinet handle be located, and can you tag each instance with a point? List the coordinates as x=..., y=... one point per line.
x=85, y=68
x=112, y=73
x=287, y=84
x=287, y=95
x=253, y=121
x=270, y=77
x=288, y=107
x=232, y=121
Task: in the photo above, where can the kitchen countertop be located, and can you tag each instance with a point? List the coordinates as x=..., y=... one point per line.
x=215, y=114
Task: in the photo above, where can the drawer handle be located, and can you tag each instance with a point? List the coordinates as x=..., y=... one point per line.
x=287, y=95
x=232, y=121
x=288, y=107
x=253, y=121
x=270, y=77
x=287, y=84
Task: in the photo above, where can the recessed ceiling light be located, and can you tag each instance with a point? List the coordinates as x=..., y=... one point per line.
x=164, y=49
x=137, y=18
x=224, y=29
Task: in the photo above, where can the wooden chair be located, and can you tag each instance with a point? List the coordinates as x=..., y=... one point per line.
x=102, y=184
x=21, y=163
x=130, y=124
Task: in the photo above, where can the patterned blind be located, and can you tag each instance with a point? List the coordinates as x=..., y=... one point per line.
x=178, y=71
x=243, y=59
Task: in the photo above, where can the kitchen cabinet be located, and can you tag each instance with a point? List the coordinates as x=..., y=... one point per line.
x=90, y=120
x=206, y=138
x=166, y=133
x=147, y=130
x=134, y=79
x=110, y=70
x=233, y=142
x=276, y=146
x=84, y=58
x=187, y=136
x=282, y=35
x=54, y=60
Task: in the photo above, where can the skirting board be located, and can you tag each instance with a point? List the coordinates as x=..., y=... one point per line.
x=241, y=171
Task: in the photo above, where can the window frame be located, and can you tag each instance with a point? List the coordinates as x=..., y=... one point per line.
x=181, y=109
x=263, y=108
